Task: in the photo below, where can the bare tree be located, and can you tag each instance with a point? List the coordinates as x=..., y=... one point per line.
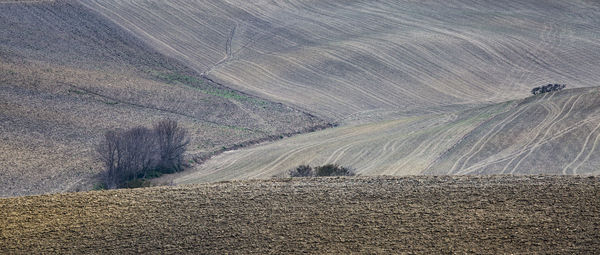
x=109, y=155
x=172, y=141
x=139, y=155
x=134, y=153
x=127, y=155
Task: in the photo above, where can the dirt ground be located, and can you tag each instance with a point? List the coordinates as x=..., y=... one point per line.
x=474, y=214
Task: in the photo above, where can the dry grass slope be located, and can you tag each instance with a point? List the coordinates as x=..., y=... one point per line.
x=485, y=214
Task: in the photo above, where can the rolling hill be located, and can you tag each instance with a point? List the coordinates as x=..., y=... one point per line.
x=67, y=75
x=336, y=58
x=552, y=133
x=416, y=87
x=393, y=89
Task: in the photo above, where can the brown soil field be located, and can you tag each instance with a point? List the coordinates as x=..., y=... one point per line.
x=460, y=214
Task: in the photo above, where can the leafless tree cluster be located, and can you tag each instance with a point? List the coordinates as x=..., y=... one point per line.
x=134, y=153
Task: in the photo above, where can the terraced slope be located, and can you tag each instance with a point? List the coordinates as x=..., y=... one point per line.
x=486, y=214
x=67, y=75
x=340, y=57
x=552, y=133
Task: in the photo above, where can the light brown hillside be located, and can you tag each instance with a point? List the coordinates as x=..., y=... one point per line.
x=552, y=133
x=337, y=58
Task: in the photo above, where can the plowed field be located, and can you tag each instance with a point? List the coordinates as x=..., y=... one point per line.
x=484, y=214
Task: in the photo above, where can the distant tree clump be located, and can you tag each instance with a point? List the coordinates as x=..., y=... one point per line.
x=326, y=170
x=547, y=88
x=130, y=156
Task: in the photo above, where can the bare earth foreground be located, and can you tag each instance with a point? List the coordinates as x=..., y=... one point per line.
x=483, y=214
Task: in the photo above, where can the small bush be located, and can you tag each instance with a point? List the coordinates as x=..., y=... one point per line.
x=333, y=170
x=547, y=88
x=99, y=186
x=326, y=170
x=302, y=171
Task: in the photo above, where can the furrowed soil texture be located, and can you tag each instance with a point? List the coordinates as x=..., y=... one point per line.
x=475, y=214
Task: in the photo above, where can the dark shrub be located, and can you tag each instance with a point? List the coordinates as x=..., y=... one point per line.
x=333, y=170
x=302, y=171
x=547, y=88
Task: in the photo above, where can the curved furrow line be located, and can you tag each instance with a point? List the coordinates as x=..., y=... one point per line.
x=275, y=163
x=357, y=137
x=591, y=151
x=556, y=135
x=469, y=40
x=478, y=146
x=347, y=85
x=135, y=29
x=233, y=160
x=432, y=146
x=548, y=129
x=295, y=88
x=339, y=152
x=514, y=154
x=522, y=76
x=583, y=147
x=362, y=51
x=551, y=112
